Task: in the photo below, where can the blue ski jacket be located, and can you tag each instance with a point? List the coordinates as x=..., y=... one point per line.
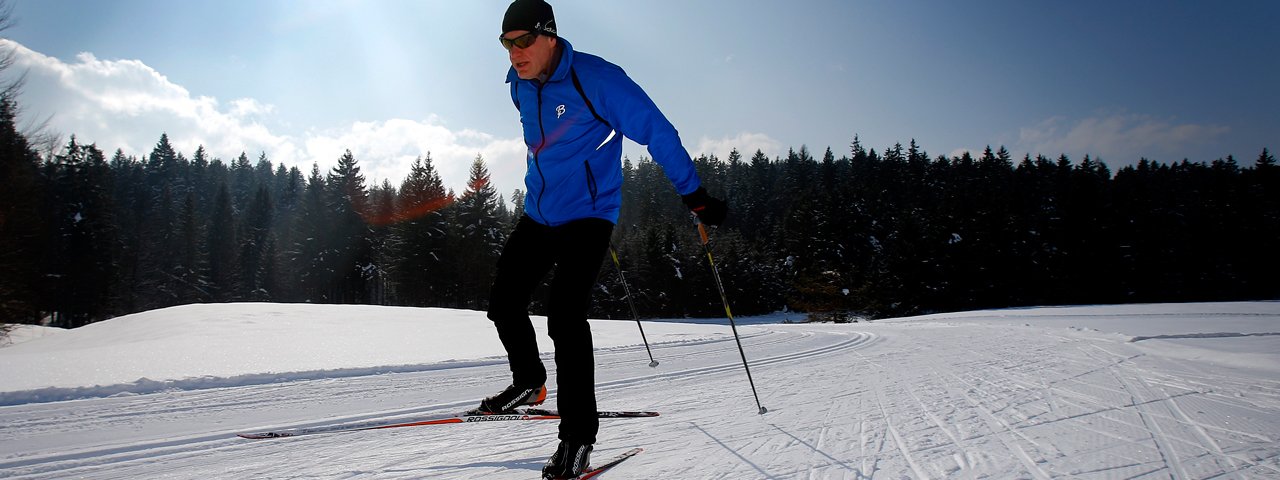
x=574, y=125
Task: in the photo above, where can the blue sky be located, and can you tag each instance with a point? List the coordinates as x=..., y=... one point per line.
x=303, y=80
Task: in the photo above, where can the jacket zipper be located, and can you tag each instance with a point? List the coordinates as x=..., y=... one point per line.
x=542, y=142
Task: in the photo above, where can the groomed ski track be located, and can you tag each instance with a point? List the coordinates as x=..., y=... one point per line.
x=907, y=400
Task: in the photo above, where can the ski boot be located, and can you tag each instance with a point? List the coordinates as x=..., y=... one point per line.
x=513, y=397
x=569, y=461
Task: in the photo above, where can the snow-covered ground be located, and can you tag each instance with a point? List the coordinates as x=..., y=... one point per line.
x=1135, y=391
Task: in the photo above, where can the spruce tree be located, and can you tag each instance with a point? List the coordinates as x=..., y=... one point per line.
x=309, y=259
x=382, y=214
x=222, y=268
x=78, y=264
x=419, y=270
x=256, y=237
x=288, y=194
x=22, y=226
x=480, y=233
x=348, y=249
x=242, y=183
x=189, y=268
x=517, y=202
x=157, y=214
x=130, y=198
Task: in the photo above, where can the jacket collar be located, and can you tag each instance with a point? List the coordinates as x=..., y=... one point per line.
x=561, y=65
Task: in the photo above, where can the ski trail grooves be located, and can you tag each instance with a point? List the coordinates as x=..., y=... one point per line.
x=903, y=448
x=858, y=340
x=775, y=348
x=867, y=401
x=1164, y=446
x=1200, y=430
x=1003, y=431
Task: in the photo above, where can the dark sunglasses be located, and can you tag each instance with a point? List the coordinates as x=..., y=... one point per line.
x=521, y=42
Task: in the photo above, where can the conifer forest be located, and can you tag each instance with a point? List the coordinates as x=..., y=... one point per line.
x=89, y=234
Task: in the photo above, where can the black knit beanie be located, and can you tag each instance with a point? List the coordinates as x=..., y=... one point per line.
x=531, y=15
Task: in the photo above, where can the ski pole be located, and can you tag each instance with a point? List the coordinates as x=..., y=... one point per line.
x=627, y=290
x=715, y=273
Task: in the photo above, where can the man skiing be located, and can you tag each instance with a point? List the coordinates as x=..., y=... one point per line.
x=575, y=109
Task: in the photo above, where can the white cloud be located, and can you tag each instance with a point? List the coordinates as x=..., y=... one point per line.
x=386, y=148
x=746, y=143
x=1117, y=138
x=248, y=107
x=126, y=104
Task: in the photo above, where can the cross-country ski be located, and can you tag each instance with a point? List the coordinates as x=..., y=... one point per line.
x=598, y=468
x=527, y=414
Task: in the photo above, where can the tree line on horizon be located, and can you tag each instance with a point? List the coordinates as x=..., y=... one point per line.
x=899, y=233
x=87, y=237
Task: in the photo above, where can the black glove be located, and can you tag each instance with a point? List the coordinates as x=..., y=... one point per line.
x=710, y=210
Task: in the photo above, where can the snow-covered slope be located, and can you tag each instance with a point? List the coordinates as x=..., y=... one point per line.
x=24, y=333
x=219, y=345
x=1144, y=391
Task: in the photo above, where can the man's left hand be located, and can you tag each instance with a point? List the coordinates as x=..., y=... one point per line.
x=710, y=210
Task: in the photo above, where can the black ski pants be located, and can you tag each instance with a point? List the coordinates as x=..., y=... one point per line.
x=575, y=252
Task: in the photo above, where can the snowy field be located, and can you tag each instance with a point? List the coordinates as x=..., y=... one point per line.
x=1135, y=391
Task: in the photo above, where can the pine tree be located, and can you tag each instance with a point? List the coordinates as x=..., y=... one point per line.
x=480, y=233
x=78, y=266
x=289, y=191
x=157, y=215
x=222, y=272
x=22, y=227
x=197, y=179
x=759, y=203
x=308, y=255
x=1260, y=202
x=382, y=215
x=263, y=174
x=189, y=268
x=101, y=270
x=420, y=237
x=162, y=165
x=517, y=200
x=242, y=183
x=130, y=198
x=349, y=249
x=255, y=239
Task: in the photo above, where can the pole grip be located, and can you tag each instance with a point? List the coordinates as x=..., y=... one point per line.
x=702, y=231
